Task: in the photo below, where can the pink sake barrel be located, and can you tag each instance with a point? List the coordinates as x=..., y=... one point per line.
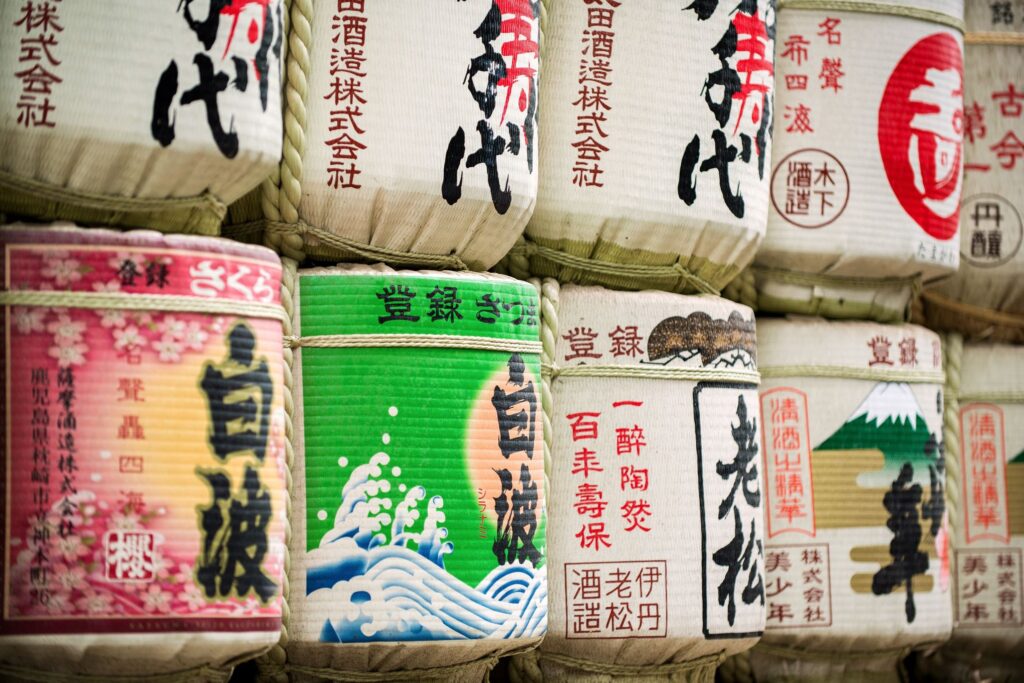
x=143, y=456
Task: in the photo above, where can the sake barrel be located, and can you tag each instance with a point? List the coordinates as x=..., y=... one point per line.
x=988, y=627
x=657, y=132
x=656, y=528
x=866, y=173
x=418, y=503
x=139, y=116
x=415, y=130
x=991, y=224
x=856, y=551
x=145, y=424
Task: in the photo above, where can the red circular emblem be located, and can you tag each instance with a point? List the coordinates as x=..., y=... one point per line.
x=920, y=133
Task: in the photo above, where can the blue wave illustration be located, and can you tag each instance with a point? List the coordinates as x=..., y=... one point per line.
x=378, y=587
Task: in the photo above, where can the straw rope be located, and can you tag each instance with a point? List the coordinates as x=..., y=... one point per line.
x=426, y=341
x=993, y=38
x=876, y=8
x=737, y=669
x=695, y=374
x=206, y=674
x=442, y=673
x=527, y=248
x=743, y=289
x=838, y=372
x=703, y=667
x=952, y=352
x=202, y=213
x=976, y=322
x=141, y=302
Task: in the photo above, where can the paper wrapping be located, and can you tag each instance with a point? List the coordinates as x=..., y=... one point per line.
x=161, y=102
x=419, y=510
x=866, y=172
x=656, y=521
x=421, y=126
x=855, y=500
x=641, y=165
x=991, y=258
x=988, y=627
x=143, y=455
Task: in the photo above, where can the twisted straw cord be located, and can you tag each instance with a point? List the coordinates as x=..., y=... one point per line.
x=876, y=8
x=742, y=289
x=993, y=38
x=141, y=302
x=737, y=669
x=527, y=248
x=40, y=190
x=525, y=668
x=432, y=341
x=840, y=372
x=707, y=662
x=953, y=349
x=517, y=262
x=985, y=315
x=701, y=374
x=202, y=673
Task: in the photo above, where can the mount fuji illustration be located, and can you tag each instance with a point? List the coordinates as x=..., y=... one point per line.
x=890, y=420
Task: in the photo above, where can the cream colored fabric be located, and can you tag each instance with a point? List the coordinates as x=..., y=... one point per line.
x=656, y=106
x=834, y=449
x=858, y=220
x=988, y=631
x=414, y=97
x=992, y=211
x=110, y=58
x=620, y=440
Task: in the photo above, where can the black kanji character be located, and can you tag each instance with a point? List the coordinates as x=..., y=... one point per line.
x=901, y=501
x=397, y=304
x=516, y=410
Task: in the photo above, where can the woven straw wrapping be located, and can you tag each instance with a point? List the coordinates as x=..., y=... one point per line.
x=402, y=428
x=988, y=630
x=633, y=378
x=628, y=210
x=125, y=396
x=866, y=168
x=852, y=416
x=123, y=140
x=992, y=211
x=390, y=167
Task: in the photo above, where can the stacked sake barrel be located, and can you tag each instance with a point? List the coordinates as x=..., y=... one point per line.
x=419, y=516
x=181, y=119
x=656, y=556
x=144, y=374
x=985, y=299
x=867, y=169
x=648, y=179
x=144, y=454
x=420, y=150
x=856, y=549
x=988, y=522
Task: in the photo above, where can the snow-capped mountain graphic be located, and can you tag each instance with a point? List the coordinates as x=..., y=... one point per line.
x=891, y=420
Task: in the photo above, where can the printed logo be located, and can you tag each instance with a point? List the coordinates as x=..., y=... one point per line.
x=920, y=133
x=994, y=230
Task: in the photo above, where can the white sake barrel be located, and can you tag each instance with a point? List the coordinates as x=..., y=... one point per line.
x=657, y=133
x=656, y=529
x=137, y=116
x=418, y=498
x=415, y=129
x=992, y=210
x=144, y=422
x=866, y=170
x=856, y=552
x=988, y=539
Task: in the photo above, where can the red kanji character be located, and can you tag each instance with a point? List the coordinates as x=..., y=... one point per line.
x=648, y=611
x=636, y=513
x=974, y=122
x=801, y=119
x=590, y=501
x=828, y=30
x=831, y=72
x=646, y=579
x=796, y=81
x=779, y=612
x=634, y=478
x=796, y=49
x=1012, y=101
x=776, y=559
x=581, y=343
x=777, y=588
x=593, y=536
x=585, y=461
x=752, y=39
x=908, y=351
x=582, y=428
x=880, y=351
x=626, y=341
x=628, y=440
x=1009, y=149
x=42, y=16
